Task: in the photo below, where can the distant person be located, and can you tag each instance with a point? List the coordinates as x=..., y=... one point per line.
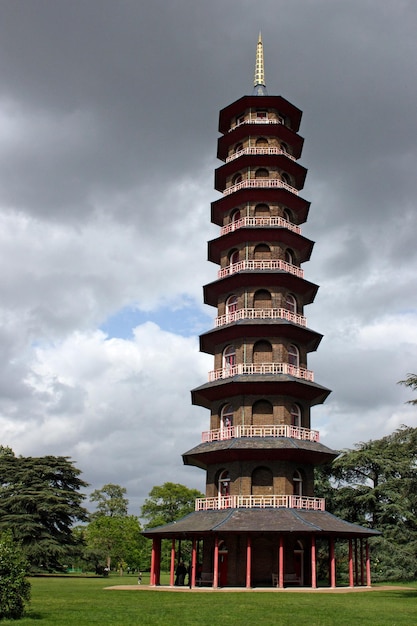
x=180, y=574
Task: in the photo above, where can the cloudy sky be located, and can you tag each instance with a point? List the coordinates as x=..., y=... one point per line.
x=108, y=132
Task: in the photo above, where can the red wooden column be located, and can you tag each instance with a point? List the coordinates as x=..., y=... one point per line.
x=368, y=566
x=193, y=563
x=172, y=567
x=332, y=563
x=155, y=561
x=356, y=563
x=248, y=562
x=281, y=562
x=216, y=563
x=351, y=583
x=313, y=563
x=152, y=576
x=362, y=564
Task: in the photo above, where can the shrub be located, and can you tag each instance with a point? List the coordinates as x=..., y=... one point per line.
x=14, y=588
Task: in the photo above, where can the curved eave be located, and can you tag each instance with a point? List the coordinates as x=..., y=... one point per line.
x=259, y=329
x=265, y=130
x=259, y=385
x=278, y=195
x=260, y=234
x=297, y=171
x=262, y=279
x=258, y=449
x=257, y=521
x=259, y=102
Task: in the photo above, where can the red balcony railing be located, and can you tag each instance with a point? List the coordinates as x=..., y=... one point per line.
x=256, y=120
x=281, y=430
x=260, y=182
x=267, y=222
x=260, y=314
x=261, y=368
x=250, y=150
x=304, y=503
x=275, y=264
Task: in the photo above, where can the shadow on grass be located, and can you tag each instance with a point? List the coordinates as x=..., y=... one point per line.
x=33, y=615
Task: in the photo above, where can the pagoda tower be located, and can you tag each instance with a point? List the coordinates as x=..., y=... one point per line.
x=260, y=519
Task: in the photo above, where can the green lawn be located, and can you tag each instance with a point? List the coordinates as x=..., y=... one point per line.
x=82, y=601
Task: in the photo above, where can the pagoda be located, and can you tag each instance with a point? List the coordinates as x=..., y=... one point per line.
x=260, y=522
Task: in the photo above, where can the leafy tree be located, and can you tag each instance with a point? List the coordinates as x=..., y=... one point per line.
x=169, y=502
x=40, y=500
x=14, y=588
x=115, y=538
x=375, y=485
x=110, y=500
x=113, y=535
x=410, y=381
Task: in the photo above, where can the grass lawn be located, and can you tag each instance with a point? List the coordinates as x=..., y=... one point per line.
x=70, y=601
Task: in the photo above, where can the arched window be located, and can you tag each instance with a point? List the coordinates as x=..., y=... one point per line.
x=262, y=412
x=229, y=358
x=289, y=256
x=262, y=352
x=291, y=303
x=262, y=481
x=233, y=257
x=286, y=178
x=226, y=417
x=297, y=483
x=261, y=172
x=261, y=142
x=295, y=416
x=231, y=304
x=262, y=252
x=235, y=215
x=287, y=215
x=262, y=210
x=293, y=356
x=238, y=147
x=237, y=178
x=262, y=299
x=224, y=483
x=284, y=146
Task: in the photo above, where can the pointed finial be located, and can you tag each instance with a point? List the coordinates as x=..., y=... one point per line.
x=259, y=81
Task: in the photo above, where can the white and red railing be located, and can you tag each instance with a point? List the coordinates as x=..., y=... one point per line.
x=259, y=182
x=260, y=314
x=281, y=430
x=260, y=221
x=304, y=503
x=252, y=264
x=257, y=120
x=261, y=368
x=250, y=150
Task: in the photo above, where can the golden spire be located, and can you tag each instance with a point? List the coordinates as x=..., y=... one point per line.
x=259, y=80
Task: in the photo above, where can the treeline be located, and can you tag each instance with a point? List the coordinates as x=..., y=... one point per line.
x=375, y=485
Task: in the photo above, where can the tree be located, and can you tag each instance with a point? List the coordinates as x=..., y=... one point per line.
x=113, y=535
x=410, y=381
x=40, y=500
x=110, y=500
x=169, y=502
x=375, y=485
x=115, y=538
x=165, y=504
x=14, y=588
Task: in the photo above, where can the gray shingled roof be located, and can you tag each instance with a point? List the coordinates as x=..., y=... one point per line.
x=260, y=521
